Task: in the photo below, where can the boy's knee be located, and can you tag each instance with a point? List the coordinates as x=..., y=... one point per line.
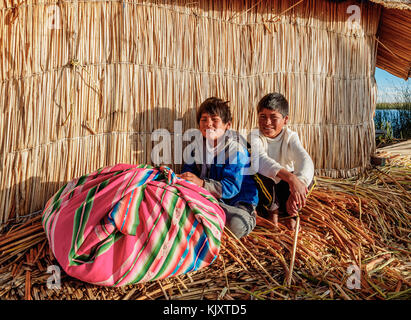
x=240, y=225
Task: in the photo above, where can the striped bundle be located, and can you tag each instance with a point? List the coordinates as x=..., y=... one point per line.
x=128, y=224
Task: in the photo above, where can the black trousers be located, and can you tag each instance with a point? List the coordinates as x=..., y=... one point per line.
x=269, y=191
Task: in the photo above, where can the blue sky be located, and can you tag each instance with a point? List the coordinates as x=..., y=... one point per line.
x=388, y=86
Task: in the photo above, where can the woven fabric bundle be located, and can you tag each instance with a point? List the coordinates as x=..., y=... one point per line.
x=130, y=224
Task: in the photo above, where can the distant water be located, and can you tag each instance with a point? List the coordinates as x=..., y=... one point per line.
x=387, y=114
x=399, y=120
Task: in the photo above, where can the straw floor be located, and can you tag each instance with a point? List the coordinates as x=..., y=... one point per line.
x=363, y=222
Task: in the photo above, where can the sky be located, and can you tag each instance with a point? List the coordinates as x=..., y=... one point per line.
x=388, y=86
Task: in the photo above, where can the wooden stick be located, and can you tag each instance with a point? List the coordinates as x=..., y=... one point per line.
x=297, y=229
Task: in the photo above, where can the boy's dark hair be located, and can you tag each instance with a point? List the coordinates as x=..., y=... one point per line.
x=274, y=101
x=215, y=106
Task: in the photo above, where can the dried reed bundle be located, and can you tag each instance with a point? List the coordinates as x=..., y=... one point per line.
x=393, y=54
x=363, y=222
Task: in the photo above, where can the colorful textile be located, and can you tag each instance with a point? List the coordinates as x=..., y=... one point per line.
x=129, y=224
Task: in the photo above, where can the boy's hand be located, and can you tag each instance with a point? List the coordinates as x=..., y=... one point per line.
x=292, y=210
x=298, y=189
x=298, y=192
x=192, y=177
x=292, y=206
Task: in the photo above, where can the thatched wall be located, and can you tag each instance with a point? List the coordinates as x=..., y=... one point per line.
x=86, y=90
x=394, y=50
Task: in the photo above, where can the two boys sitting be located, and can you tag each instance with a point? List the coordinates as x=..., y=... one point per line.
x=280, y=153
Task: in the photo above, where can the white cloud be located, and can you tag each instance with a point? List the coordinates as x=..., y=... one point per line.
x=387, y=94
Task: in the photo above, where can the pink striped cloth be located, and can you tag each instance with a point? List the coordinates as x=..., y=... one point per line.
x=129, y=224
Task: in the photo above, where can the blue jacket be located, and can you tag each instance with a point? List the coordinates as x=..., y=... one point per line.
x=224, y=178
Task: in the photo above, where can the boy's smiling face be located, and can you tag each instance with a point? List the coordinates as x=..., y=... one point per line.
x=271, y=122
x=212, y=127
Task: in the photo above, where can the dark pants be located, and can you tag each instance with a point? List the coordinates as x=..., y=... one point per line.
x=240, y=218
x=269, y=191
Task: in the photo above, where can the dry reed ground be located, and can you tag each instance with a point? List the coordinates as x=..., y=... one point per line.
x=363, y=222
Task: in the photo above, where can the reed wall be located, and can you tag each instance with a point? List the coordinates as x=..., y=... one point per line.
x=84, y=83
x=394, y=50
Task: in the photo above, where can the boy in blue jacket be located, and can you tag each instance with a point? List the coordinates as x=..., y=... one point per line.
x=220, y=167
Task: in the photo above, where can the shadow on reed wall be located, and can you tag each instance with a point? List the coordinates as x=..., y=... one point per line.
x=26, y=198
x=157, y=145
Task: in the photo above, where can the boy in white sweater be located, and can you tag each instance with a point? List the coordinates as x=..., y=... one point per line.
x=285, y=169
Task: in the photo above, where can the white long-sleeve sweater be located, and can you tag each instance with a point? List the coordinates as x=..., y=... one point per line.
x=284, y=151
